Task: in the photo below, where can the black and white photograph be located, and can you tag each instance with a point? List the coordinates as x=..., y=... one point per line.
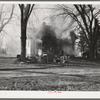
x=49, y=47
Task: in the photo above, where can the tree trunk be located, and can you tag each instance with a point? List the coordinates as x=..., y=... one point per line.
x=23, y=40
x=92, y=52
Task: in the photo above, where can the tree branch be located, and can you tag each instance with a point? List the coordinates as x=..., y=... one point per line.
x=30, y=10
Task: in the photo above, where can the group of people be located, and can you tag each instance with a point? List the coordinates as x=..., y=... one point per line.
x=62, y=59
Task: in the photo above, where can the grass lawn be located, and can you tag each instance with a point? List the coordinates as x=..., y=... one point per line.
x=76, y=76
x=58, y=83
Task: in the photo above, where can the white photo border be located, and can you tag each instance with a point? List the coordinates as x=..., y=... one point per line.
x=33, y=95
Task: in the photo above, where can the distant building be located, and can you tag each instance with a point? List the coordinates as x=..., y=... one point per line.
x=31, y=42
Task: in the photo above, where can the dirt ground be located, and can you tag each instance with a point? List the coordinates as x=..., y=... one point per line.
x=75, y=76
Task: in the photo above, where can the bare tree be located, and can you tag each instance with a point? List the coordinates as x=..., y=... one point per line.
x=6, y=15
x=25, y=14
x=86, y=18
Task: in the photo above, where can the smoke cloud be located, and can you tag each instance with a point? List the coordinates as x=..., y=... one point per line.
x=67, y=38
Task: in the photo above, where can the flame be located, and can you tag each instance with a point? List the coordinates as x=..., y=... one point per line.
x=39, y=52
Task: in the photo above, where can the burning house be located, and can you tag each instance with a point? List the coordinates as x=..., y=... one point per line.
x=45, y=43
